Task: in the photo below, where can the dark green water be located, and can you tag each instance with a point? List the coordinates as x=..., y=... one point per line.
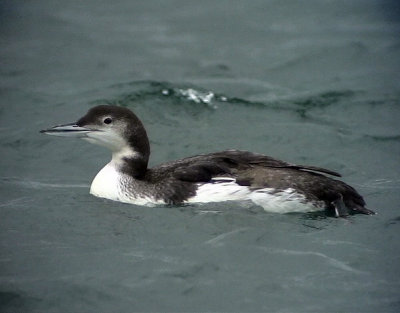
x=311, y=83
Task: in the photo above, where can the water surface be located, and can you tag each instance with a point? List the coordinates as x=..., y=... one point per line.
x=314, y=83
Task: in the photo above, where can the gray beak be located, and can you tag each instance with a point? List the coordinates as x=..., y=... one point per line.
x=68, y=130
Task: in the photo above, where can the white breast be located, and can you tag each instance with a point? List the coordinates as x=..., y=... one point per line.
x=106, y=183
x=113, y=185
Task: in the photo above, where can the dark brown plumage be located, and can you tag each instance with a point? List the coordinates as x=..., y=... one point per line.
x=175, y=182
x=257, y=171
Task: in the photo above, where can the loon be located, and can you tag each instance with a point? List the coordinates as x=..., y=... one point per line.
x=229, y=175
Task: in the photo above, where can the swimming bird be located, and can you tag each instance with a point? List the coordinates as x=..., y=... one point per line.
x=229, y=175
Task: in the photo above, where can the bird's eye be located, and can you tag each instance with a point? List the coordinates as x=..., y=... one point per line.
x=107, y=120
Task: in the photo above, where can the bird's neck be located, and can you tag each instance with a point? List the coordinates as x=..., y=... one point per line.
x=130, y=162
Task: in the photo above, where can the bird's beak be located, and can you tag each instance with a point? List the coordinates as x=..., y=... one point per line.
x=68, y=130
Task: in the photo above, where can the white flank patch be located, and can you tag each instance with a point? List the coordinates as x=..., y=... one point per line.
x=226, y=189
x=284, y=201
x=220, y=189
